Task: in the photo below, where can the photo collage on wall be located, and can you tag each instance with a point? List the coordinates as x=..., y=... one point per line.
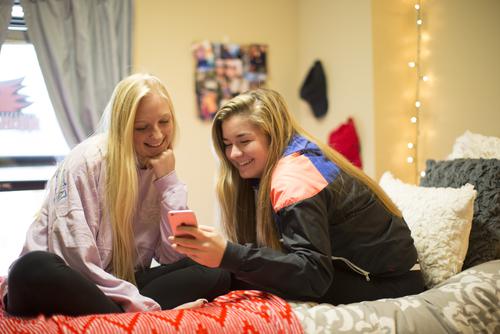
x=224, y=71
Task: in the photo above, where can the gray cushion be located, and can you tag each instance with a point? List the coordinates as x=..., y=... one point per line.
x=484, y=174
x=465, y=303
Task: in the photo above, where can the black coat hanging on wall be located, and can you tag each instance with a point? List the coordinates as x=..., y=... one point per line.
x=313, y=90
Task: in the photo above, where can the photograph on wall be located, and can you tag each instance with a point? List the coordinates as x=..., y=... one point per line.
x=224, y=71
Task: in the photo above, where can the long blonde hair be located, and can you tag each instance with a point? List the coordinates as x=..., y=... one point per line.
x=244, y=220
x=121, y=189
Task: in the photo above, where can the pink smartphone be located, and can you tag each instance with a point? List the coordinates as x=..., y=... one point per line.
x=179, y=218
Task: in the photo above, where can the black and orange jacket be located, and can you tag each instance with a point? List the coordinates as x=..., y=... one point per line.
x=325, y=219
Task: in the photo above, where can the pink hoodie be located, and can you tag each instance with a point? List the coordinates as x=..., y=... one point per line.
x=71, y=222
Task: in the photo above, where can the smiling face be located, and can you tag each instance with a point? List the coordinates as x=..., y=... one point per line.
x=153, y=127
x=246, y=146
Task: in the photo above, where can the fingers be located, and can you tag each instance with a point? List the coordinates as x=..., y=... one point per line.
x=168, y=153
x=185, y=242
x=163, y=163
x=200, y=231
x=201, y=256
x=190, y=230
x=193, y=238
x=206, y=228
x=201, y=244
x=186, y=250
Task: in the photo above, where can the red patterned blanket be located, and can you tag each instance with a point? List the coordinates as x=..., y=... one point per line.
x=237, y=312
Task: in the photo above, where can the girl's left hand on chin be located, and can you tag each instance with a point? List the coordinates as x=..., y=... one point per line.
x=163, y=163
x=205, y=245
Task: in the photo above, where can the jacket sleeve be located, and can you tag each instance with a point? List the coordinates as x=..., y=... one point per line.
x=303, y=270
x=173, y=197
x=70, y=222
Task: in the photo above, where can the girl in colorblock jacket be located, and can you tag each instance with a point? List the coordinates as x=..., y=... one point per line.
x=300, y=220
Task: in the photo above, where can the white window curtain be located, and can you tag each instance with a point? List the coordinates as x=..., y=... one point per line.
x=5, y=13
x=84, y=49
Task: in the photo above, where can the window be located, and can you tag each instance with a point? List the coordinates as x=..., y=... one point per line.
x=31, y=140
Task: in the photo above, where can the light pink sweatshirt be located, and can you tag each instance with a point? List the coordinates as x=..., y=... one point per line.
x=71, y=222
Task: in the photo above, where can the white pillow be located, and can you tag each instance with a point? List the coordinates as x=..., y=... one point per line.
x=440, y=220
x=475, y=146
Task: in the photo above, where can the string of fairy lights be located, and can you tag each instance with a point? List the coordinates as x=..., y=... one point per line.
x=413, y=155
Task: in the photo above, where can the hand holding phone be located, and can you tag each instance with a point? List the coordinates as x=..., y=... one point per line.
x=180, y=218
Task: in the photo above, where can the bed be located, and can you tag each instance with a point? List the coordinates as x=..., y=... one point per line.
x=466, y=303
x=237, y=312
x=454, y=217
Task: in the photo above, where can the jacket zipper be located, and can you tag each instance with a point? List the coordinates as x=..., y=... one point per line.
x=353, y=267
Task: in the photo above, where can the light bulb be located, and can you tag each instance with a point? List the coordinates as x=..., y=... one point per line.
x=422, y=173
x=418, y=104
x=417, y=6
x=419, y=22
x=412, y=64
x=409, y=160
x=410, y=145
x=17, y=11
x=413, y=119
x=425, y=78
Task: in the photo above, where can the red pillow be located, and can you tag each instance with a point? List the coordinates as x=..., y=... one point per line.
x=344, y=139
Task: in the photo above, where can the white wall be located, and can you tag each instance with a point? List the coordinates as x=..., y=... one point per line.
x=463, y=60
x=460, y=53
x=339, y=33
